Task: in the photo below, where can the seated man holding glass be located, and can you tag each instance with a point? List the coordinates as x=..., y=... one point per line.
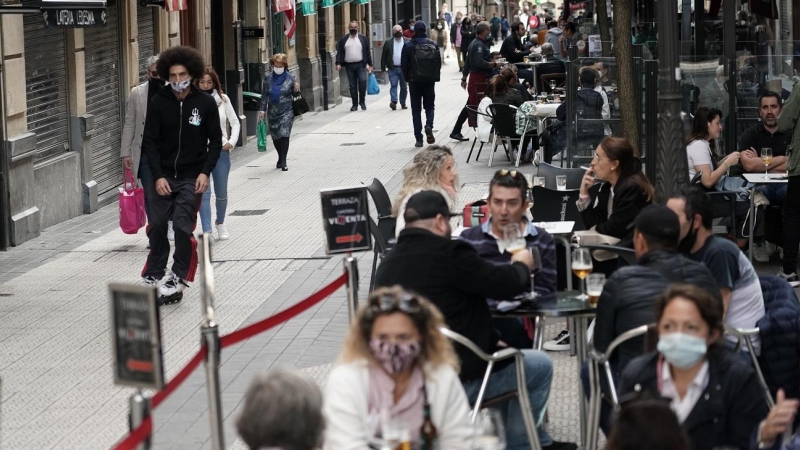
x=508, y=231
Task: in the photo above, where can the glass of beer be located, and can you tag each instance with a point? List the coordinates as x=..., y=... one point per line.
x=766, y=156
x=514, y=239
x=582, y=267
x=594, y=287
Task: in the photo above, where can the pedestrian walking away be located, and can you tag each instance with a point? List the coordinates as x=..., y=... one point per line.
x=133, y=129
x=219, y=176
x=353, y=54
x=390, y=63
x=422, y=65
x=276, y=105
x=182, y=141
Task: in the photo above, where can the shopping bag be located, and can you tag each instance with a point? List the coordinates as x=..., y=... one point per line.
x=299, y=104
x=372, y=85
x=132, y=215
x=261, y=135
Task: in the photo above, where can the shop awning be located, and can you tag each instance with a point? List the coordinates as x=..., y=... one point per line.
x=74, y=14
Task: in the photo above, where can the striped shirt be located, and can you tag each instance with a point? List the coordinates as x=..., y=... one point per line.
x=485, y=243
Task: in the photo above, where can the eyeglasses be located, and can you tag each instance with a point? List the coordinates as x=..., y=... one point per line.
x=597, y=158
x=385, y=303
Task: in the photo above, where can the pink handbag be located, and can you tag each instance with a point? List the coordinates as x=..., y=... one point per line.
x=131, y=205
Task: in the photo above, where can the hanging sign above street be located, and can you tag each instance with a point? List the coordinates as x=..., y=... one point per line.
x=345, y=219
x=75, y=17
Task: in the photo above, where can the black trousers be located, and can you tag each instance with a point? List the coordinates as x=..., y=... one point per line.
x=282, y=147
x=462, y=119
x=791, y=225
x=181, y=208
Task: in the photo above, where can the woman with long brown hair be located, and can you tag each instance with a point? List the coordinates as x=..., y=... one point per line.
x=611, y=206
x=211, y=85
x=396, y=367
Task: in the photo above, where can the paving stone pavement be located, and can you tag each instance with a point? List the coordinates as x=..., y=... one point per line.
x=55, y=360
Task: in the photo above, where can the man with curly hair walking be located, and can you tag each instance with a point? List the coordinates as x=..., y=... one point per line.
x=182, y=141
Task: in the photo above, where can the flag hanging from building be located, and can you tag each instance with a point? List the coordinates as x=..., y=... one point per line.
x=176, y=5
x=308, y=7
x=287, y=7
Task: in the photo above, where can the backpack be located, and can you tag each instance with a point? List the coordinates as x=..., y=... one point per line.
x=426, y=63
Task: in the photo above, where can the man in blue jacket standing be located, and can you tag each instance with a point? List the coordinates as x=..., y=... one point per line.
x=353, y=53
x=421, y=63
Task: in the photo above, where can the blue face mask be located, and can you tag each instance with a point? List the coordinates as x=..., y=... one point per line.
x=682, y=350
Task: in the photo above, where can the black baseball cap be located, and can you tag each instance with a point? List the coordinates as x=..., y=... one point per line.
x=660, y=225
x=426, y=205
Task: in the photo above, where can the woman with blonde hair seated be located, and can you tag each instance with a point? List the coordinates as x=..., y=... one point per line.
x=433, y=169
x=396, y=367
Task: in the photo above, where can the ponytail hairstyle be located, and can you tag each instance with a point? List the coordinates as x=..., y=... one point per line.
x=630, y=166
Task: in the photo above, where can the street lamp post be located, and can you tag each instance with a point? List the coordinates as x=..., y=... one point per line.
x=671, y=172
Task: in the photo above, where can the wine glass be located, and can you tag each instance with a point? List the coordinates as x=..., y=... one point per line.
x=513, y=239
x=582, y=267
x=537, y=265
x=489, y=432
x=766, y=156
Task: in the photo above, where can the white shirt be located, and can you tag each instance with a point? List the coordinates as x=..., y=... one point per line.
x=397, y=52
x=682, y=407
x=698, y=154
x=606, y=113
x=227, y=116
x=352, y=50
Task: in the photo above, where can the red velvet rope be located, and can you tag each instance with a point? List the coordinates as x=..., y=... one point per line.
x=144, y=430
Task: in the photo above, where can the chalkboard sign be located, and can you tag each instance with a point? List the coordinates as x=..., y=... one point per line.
x=136, y=336
x=345, y=218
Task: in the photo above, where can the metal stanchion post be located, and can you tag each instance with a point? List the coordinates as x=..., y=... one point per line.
x=210, y=336
x=139, y=410
x=351, y=268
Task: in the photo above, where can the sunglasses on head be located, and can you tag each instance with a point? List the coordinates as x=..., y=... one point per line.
x=406, y=303
x=512, y=173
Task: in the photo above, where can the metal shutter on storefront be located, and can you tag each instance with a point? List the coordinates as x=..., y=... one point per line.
x=786, y=30
x=146, y=38
x=46, y=86
x=103, y=61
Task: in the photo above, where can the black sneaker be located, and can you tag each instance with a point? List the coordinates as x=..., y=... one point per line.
x=429, y=134
x=418, y=144
x=354, y=108
x=458, y=137
x=559, y=344
x=561, y=446
x=393, y=105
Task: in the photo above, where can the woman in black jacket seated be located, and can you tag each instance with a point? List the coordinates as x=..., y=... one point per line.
x=714, y=392
x=610, y=207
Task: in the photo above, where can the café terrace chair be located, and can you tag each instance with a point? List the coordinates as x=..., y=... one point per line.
x=505, y=129
x=477, y=112
x=549, y=172
x=602, y=361
x=384, y=230
x=745, y=335
x=522, y=389
x=719, y=197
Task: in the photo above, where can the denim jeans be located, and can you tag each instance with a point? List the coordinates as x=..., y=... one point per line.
x=395, y=78
x=775, y=193
x=148, y=184
x=357, y=78
x=423, y=95
x=219, y=181
x=538, y=373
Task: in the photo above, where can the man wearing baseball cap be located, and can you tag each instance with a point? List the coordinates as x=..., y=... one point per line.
x=429, y=262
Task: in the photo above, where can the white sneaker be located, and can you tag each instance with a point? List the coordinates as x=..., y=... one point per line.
x=792, y=278
x=760, y=252
x=222, y=232
x=536, y=158
x=148, y=281
x=172, y=286
x=559, y=344
x=170, y=231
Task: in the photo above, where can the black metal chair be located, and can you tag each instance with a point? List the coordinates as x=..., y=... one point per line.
x=505, y=128
x=719, y=197
x=384, y=230
x=549, y=172
x=550, y=205
x=475, y=139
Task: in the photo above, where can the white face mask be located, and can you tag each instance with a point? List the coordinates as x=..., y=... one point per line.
x=180, y=86
x=278, y=70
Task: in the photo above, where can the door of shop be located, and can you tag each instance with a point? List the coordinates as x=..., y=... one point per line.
x=103, y=100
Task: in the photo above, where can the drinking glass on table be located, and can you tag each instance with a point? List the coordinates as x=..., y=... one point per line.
x=537, y=265
x=488, y=431
x=582, y=267
x=514, y=239
x=561, y=182
x=594, y=287
x=766, y=156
